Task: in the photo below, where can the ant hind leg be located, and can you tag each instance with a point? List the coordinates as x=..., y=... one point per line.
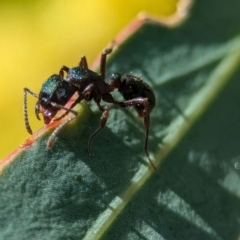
x=145, y=113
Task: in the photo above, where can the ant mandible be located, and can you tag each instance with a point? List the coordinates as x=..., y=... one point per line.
x=56, y=91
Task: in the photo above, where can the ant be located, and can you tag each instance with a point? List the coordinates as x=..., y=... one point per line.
x=57, y=90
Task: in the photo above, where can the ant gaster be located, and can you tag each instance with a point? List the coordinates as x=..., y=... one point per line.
x=56, y=92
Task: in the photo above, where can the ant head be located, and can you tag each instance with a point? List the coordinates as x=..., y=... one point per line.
x=55, y=93
x=115, y=81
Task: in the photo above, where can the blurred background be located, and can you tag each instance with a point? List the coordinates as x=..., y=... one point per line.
x=38, y=37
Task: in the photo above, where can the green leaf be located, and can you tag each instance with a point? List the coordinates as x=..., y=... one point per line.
x=63, y=193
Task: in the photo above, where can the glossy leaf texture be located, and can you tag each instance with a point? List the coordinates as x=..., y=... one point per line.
x=194, y=70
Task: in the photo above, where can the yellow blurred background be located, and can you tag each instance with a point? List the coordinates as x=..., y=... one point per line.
x=38, y=37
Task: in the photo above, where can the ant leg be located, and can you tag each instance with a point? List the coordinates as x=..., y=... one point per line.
x=147, y=126
x=87, y=92
x=61, y=126
x=103, y=121
x=25, y=111
x=86, y=95
x=83, y=62
x=103, y=61
x=145, y=113
x=105, y=109
x=62, y=69
x=108, y=98
x=80, y=98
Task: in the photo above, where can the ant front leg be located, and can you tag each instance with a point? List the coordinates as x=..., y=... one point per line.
x=62, y=69
x=103, y=61
x=61, y=126
x=25, y=111
x=78, y=100
x=144, y=112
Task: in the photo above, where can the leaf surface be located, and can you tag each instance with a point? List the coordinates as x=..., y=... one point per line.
x=63, y=193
